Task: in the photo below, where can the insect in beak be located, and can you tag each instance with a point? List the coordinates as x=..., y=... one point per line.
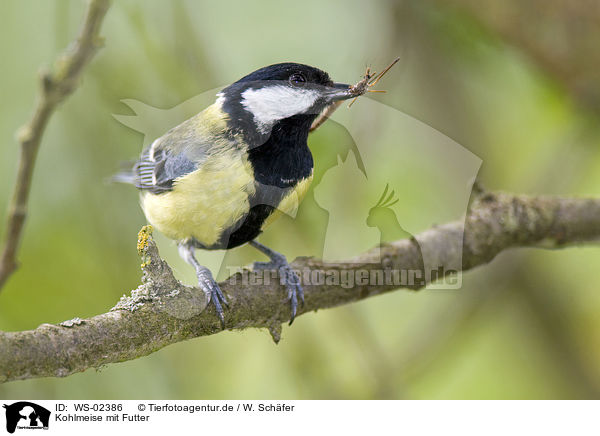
x=369, y=80
x=342, y=91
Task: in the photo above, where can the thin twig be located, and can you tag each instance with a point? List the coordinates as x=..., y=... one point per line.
x=324, y=116
x=55, y=86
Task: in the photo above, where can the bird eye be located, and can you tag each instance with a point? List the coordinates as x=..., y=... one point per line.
x=297, y=79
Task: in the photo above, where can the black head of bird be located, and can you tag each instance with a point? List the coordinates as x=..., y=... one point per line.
x=216, y=180
x=285, y=96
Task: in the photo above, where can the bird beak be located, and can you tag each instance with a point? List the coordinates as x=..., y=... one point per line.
x=339, y=91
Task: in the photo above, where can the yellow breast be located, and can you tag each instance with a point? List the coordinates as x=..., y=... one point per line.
x=204, y=202
x=289, y=204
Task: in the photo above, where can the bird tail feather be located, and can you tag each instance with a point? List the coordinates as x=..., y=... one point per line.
x=123, y=177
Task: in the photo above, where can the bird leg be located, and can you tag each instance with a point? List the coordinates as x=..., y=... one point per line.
x=286, y=274
x=206, y=282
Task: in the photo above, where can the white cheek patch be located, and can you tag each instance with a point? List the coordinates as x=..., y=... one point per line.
x=273, y=103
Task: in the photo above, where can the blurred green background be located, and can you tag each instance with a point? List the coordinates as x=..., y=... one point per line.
x=516, y=83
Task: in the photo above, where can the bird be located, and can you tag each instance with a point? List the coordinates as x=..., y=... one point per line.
x=218, y=179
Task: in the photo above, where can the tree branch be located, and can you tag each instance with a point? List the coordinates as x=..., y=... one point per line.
x=162, y=311
x=55, y=86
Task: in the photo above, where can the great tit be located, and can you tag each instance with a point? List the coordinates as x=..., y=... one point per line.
x=218, y=179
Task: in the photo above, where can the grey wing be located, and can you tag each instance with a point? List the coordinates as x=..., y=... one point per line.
x=157, y=169
x=177, y=153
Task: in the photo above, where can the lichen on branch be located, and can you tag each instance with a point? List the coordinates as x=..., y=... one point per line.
x=162, y=311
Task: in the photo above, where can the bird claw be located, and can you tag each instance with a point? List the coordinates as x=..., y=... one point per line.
x=291, y=281
x=214, y=293
x=288, y=278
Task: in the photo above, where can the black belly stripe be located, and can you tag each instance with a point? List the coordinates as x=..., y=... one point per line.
x=250, y=228
x=279, y=165
x=262, y=204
